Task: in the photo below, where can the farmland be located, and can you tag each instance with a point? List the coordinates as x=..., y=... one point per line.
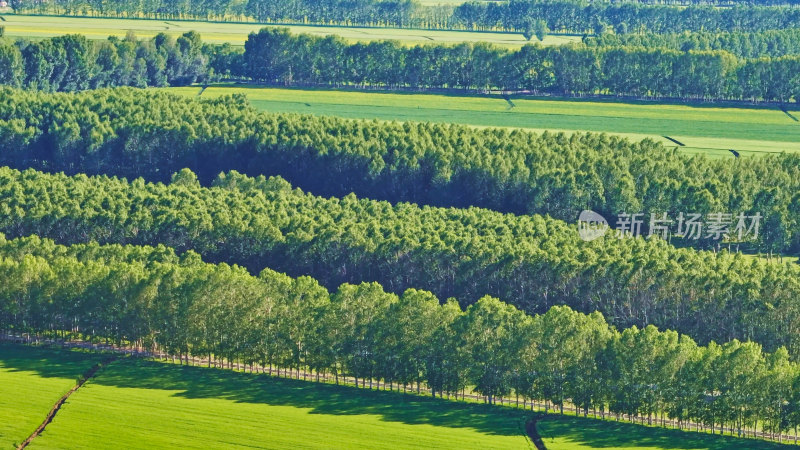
x=30, y=383
x=236, y=33
x=152, y=405
x=701, y=128
x=146, y=404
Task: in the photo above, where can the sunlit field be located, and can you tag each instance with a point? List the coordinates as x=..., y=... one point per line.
x=713, y=131
x=236, y=33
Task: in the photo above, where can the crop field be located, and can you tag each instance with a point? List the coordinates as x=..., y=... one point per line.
x=149, y=404
x=236, y=33
x=575, y=433
x=31, y=381
x=701, y=129
x=146, y=404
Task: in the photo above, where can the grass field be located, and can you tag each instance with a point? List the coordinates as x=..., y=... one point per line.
x=48, y=26
x=31, y=381
x=152, y=405
x=573, y=433
x=143, y=404
x=702, y=129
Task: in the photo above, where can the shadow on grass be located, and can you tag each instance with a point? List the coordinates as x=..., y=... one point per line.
x=203, y=383
x=592, y=433
x=318, y=398
x=47, y=362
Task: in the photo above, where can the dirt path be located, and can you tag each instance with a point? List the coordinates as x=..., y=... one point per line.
x=533, y=433
x=86, y=376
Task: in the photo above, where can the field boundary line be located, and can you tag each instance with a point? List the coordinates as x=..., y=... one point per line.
x=51, y=415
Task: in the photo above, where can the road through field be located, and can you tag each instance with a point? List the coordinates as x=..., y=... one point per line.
x=700, y=128
x=236, y=33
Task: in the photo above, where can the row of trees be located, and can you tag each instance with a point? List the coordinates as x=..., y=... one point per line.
x=277, y=56
x=151, y=297
x=532, y=262
x=772, y=43
x=72, y=63
x=560, y=15
x=397, y=13
x=624, y=17
x=133, y=133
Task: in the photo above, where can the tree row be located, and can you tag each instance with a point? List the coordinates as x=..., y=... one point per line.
x=563, y=16
x=532, y=262
x=624, y=17
x=275, y=55
x=132, y=133
x=151, y=297
x=74, y=63
x=771, y=43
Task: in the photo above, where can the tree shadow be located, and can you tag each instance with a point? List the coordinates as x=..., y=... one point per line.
x=47, y=362
x=319, y=398
x=594, y=433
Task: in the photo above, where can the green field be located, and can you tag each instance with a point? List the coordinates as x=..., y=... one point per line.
x=702, y=129
x=574, y=433
x=140, y=404
x=31, y=381
x=236, y=33
x=144, y=404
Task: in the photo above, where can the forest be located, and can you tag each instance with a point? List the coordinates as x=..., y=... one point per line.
x=531, y=262
x=151, y=297
x=152, y=134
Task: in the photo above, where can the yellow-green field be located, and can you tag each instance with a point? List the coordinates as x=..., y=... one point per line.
x=702, y=129
x=236, y=33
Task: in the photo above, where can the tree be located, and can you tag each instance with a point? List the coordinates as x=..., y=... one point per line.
x=488, y=331
x=540, y=29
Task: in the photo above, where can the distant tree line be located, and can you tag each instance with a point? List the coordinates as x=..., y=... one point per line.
x=151, y=297
x=516, y=15
x=277, y=56
x=625, y=17
x=753, y=45
x=531, y=262
x=152, y=134
x=73, y=63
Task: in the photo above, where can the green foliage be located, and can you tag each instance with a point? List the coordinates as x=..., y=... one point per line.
x=276, y=56
x=532, y=262
x=152, y=134
x=772, y=43
x=143, y=296
x=73, y=63
x=577, y=17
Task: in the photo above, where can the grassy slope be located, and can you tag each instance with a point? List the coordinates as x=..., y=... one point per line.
x=711, y=130
x=573, y=433
x=142, y=404
x=31, y=381
x=152, y=405
x=45, y=26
